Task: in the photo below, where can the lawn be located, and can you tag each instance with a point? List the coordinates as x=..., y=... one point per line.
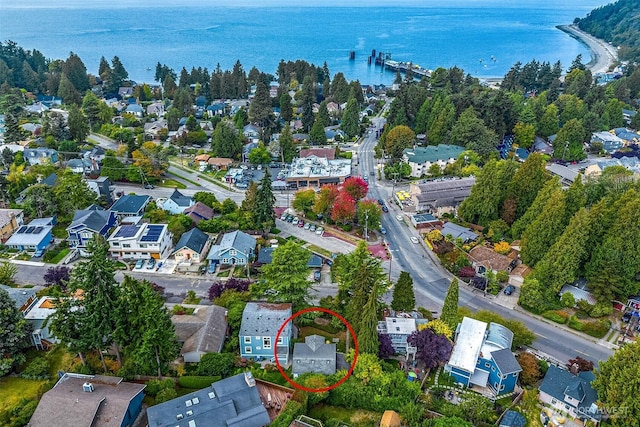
x=305, y=331
x=356, y=418
x=319, y=250
x=171, y=183
x=56, y=259
x=14, y=389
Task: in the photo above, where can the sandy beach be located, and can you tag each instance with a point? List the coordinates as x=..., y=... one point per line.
x=603, y=55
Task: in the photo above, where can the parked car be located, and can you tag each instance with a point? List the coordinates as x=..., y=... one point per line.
x=300, y=223
x=509, y=289
x=414, y=240
x=317, y=276
x=212, y=268
x=295, y=221
x=319, y=230
x=372, y=173
x=290, y=218
x=399, y=217
x=307, y=226
x=381, y=202
x=283, y=217
x=151, y=263
x=626, y=317
x=312, y=228
x=383, y=230
x=385, y=209
x=139, y=264
x=38, y=253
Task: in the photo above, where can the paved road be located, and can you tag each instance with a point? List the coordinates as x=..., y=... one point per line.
x=431, y=280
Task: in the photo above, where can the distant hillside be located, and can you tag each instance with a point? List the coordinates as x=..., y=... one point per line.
x=619, y=24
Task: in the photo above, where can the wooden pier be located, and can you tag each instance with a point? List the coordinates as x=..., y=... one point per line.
x=384, y=60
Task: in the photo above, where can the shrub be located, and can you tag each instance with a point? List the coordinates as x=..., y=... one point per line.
x=502, y=276
x=567, y=299
x=597, y=329
x=291, y=411
x=502, y=247
x=346, y=227
x=556, y=316
x=575, y=323
x=38, y=369
x=156, y=386
x=197, y=382
x=218, y=364
x=166, y=395
x=543, y=365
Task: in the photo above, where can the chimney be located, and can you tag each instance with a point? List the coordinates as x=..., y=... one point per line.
x=87, y=387
x=574, y=369
x=226, y=312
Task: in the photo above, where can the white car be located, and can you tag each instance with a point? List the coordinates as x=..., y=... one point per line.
x=414, y=239
x=319, y=230
x=295, y=221
x=399, y=217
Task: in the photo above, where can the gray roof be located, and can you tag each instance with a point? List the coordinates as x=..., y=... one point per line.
x=50, y=180
x=265, y=319
x=93, y=219
x=7, y=215
x=19, y=295
x=499, y=335
x=130, y=204
x=432, y=153
x=458, y=231
x=204, y=331
x=314, y=349
x=558, y=382
x=231, y=402
x=180, y=199
x=450, y=192
x=562, y=171
x=513, y=419
x=238, y=240
x=506, y=361
x=67, y=404
x=265, y=256
x=193, y=239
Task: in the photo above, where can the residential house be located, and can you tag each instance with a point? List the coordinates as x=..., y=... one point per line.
x=482, y=357
x=425, y=220
x=89, y=400
x=217, y=109
x=40, y=156
x=198, y=212
x=38, y=314
x=219, y=163
x=628, y=115
x=570, y=393
x=49, y=181
x=135, y=109
x=251, y=133
x=202, y=159
x=140, y=241
x=541, y=146
x=10, y=220
x=125, y=92
x=235, y=248
x=36, y=108
x=265, y=256
x=440, y=196
x=567, y=175
x=314, y=355
x=456, y=231
x=177, y=203
x=484, y=258
x=261, y=322
x=322, y=153
x=192, y=247
x=35, y=129
x=246, y=149
x=130, y=205
x=202, y=332
x=579, y=290
x=399, y=326
x=102, y=186
x=36, y=236
x=88, y=223
x=156, y=108
x=233, y=401
x=627, y=136
x=49, y=101
x=83, y=166
x=610, y=142
x=153, y=128
x=23, y=298
x=421, y=158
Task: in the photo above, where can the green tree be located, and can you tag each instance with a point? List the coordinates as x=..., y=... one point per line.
x=616, y=383
x=248, y=206
x=286, y=279
x=351, y=119
x=441, y=119
x=259, y=155
x=68, y=92
x=323, y=114
x=119, y=75
x=325, y=200
x=306, y=103
x=548, y=124
x=568, y=144
x=470, y=131
x=71, y=193
x=78, y=125
x=227, y=141
x=524, y=134
x=287, y=146
x=260, y=110
x=525, y=185
x=317, y=136
x=265, y=202
x=403, y=296
x=151, y=159
x=91, y=109
x=544, y=230
x=398, y=138
x=75, y=70
x=14, y=334
x=303, y=200
x=39, y=201
x=286, y=109
x=368, y=332
x=536, y=207
x=369, y=214
x=450, y=306
x=222, y=364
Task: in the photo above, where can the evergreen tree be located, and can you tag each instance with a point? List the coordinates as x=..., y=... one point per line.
x=317, y=136
x=78, y=124
x=351, y=119
x=91, y=110
x=104, y=70
x=403, y=296
x=265, y=201
x=450, y=306
x=227, y=141
x=71, y=192
x=323, y=114
x=536, y=207
x=470, y=131
x=368, y=331
x=548, y=124
x=286, y=109
x=287, y=147
x=526, y=183
x=119, y=76
x=544, y=230
x=14, y=334
x=260, y=110
x=75, y=70
x=248, y=207
x=307, y=101
x=423, y=117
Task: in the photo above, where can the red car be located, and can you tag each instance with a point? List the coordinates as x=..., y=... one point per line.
x=300, y=223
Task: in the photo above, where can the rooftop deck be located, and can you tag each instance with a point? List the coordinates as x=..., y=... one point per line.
x=274, y=397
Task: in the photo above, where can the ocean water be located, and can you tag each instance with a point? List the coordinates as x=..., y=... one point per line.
x=482, y=37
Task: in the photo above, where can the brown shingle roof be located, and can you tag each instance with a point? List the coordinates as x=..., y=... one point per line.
x=489, y=258
x=328, y=153
x=204, y=331
x=199, y=211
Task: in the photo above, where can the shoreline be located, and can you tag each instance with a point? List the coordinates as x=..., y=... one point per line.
x=603, y=54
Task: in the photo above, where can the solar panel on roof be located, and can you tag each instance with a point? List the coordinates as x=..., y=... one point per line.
x=21, y=229
x=30, y=230
x=37, y=230
x=127, y=231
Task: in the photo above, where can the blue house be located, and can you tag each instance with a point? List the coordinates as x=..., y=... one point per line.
x=482, y=357
x=177, y=203
x=236, y=248
x=35, y=236
x=87, y=223
x=259, y=328
x=89, y=400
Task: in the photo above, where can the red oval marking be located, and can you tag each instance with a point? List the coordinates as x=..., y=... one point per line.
x=355, y=346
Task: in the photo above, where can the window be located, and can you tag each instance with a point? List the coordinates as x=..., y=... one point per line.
x=126, y=245
x=504, y=377
x=266, y=343
x=502, y=387
x=116, y=244
x=225, y=260
x=247, y=349
x=495, y=386
x=232, y=252
x=486, y=364
x=280, y=341
x=247, y=340
x=493, y=369
x=553, y=401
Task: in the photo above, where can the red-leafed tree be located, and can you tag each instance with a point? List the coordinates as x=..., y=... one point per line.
x=325, y=199
x=432, y=349
x=356, y=187
x=344, y=208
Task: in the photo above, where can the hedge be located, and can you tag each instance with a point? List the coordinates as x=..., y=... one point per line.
x=556, y=316
x=291, y=411
x=197, y=382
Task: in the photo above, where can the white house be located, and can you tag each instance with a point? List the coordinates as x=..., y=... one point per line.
x=177, y=203
x=140, y=241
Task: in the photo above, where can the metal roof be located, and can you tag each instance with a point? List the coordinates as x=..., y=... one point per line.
x=130, y=204
x=468, y=343
x=432, y=153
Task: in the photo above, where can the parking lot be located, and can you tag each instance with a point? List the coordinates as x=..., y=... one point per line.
x=324, y=241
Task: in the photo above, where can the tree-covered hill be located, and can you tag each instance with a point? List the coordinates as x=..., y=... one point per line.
x=619, y=24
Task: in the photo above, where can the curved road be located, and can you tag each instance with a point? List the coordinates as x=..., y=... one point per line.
x=431, y=280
